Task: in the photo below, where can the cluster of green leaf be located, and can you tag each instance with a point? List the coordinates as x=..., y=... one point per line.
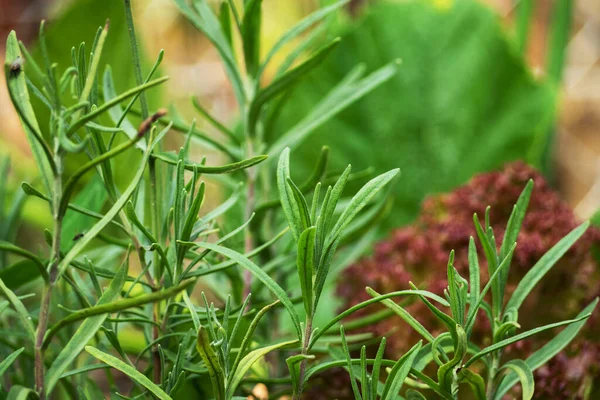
x=151, y=246
x=452, y=353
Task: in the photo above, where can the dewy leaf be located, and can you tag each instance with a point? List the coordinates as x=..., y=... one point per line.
x=85, y=332
x=537, y=272
x=17, y=89
x=4, y=364
x=211, y=360
x=549, y=350
x=525, y=375
x=260, y=275
x=299, y=28
x=21, y=310
x=305, y=262
x=129, y=371
x=248, y=361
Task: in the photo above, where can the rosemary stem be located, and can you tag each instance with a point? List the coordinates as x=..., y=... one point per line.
x=39, y=368
x=153, y=187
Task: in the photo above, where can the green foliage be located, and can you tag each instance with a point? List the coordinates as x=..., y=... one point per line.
x=452, y=110
x=155, y=221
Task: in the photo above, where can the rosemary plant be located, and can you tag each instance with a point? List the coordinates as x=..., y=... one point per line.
x=152, y=243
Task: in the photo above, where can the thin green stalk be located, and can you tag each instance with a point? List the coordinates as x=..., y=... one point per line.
x=250, y=203
x=116, y=306
x=39, y=368
x=491, y=375
x=304, y=363
x=152, y=171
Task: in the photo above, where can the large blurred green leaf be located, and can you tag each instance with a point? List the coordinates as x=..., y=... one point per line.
x=462, y=102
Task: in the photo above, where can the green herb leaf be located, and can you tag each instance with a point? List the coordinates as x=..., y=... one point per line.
x=399, y=373
x=170, y=158
x=345, y=93
x=405, y=315
x=299, y=28
x=503, y=343
x=305, y=262
x=215, y=371
x=360, y=200
x=549, y=350
x=4, y=364
x=248, y=361
x=19, y=95
x=129, y=371
x=525, y=375
x=475, y=381
x=108, y=217
x=18, y=392
x=21, y=310
x=286, y=82
x=206, y=22
x=85, y=332
x=260, y=275
x=537, y=272
x=109, y=104
x=290, y=207
x=251, y=35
